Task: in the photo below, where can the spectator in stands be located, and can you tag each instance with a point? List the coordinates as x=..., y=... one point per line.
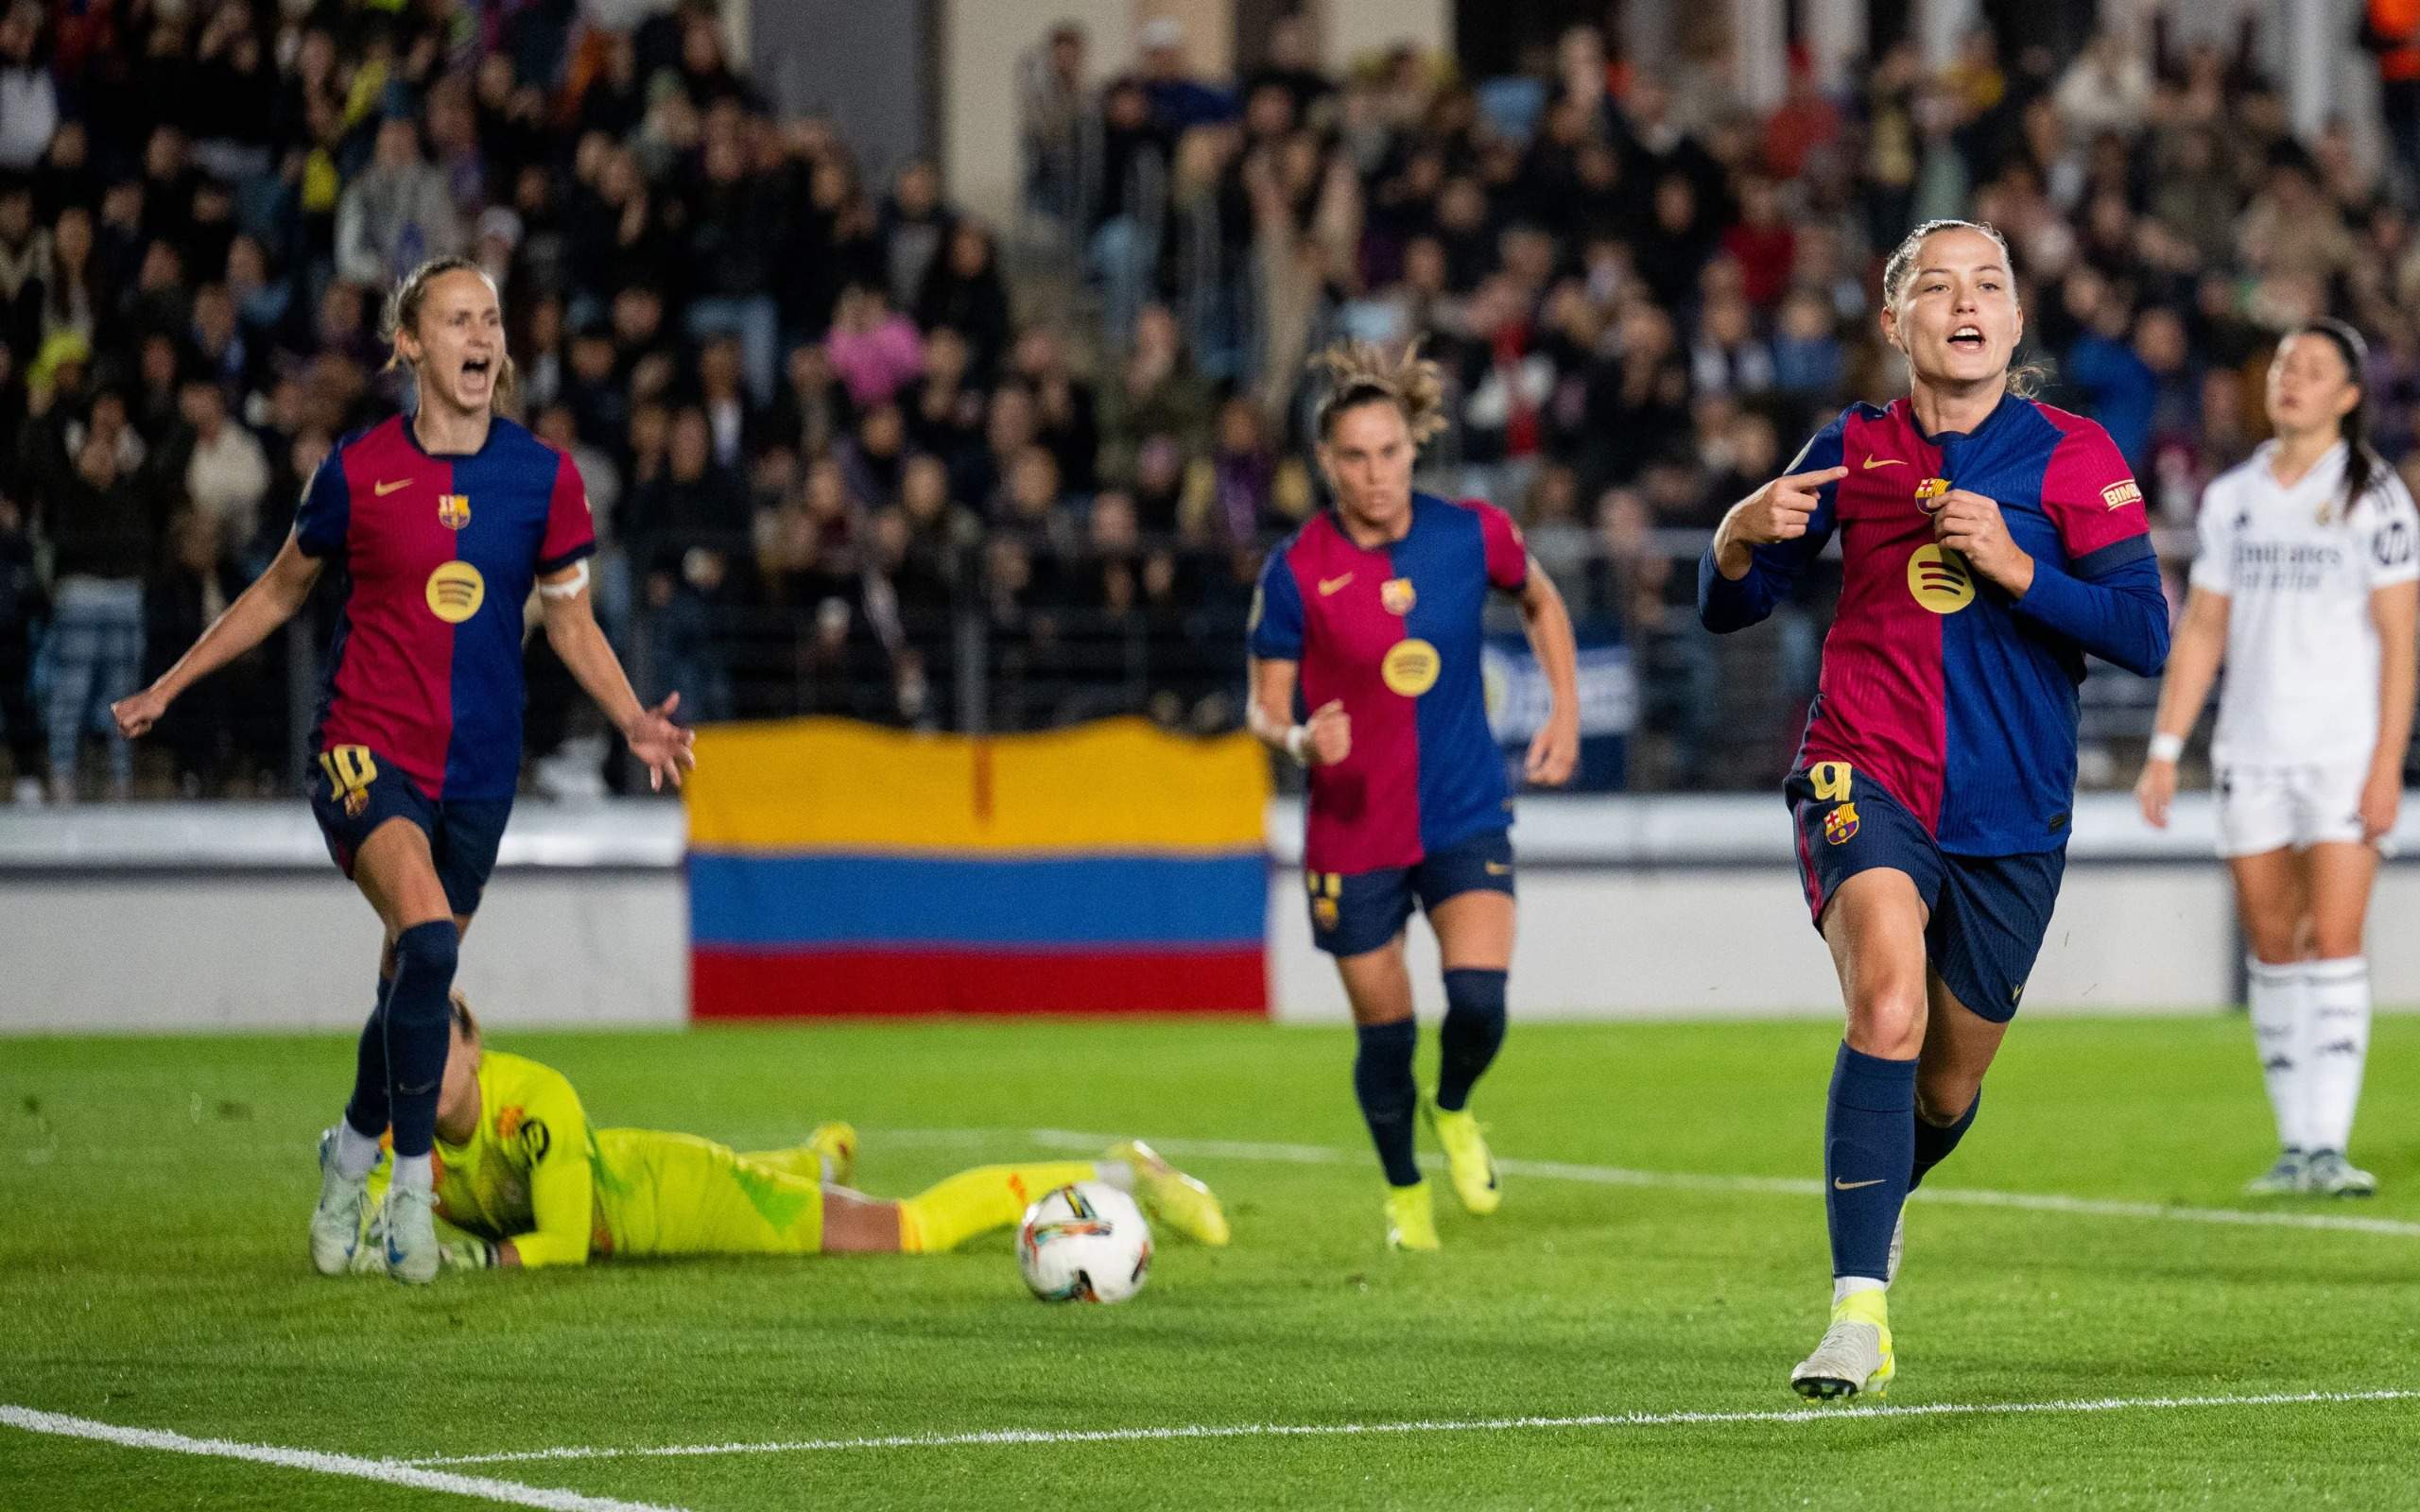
x=21, y=604
x=733, y=234
x=874, y=351
x=221, y=471
x=101, y=529
x=1054, y=95
x=28, y=98
x=962, y=289
x=218, y=725
x=397, y=214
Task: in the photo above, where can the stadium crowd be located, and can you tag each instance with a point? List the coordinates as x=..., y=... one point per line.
x=842, y=467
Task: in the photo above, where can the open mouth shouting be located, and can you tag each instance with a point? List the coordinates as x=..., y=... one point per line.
x=1967, y=337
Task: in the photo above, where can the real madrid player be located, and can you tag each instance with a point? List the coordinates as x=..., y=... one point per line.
x=439, y=522
x=1988, y=542
x=1371, y=613
x=525, y=1181
x=2305, y=590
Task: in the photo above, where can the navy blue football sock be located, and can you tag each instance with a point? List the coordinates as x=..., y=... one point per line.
x=1935, y=1140
x=418, y=1031
x=1382, y=1080
x=367, y=1109
x=1473, y=1031
x=1869, y=1135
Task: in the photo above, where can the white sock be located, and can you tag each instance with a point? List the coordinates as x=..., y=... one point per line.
x=1119, y=1173
x=2278, y=996
x=1844, y=1287
x=415, y=1171
x=2336, y=1045
x=356, y=1153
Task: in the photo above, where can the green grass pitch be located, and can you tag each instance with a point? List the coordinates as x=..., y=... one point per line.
x=153, y=1275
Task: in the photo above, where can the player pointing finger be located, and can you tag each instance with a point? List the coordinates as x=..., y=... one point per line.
x=1778, y=511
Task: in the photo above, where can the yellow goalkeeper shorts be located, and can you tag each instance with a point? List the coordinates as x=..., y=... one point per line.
x=679, y=1194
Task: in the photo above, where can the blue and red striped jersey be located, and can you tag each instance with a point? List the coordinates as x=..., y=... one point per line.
x=1395, y=631
x=1958, y=698
x=438, y=554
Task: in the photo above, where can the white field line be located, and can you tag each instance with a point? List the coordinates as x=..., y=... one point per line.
x=389, y=1472
x=1614, y=1176
x=1793, y=1416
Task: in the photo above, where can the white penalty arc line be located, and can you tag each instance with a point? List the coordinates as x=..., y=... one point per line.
x=391, y=1472
x=1793, y=1416
x=1683, y=1180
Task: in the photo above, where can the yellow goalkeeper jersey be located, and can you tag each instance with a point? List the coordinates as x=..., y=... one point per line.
x=530, y=1173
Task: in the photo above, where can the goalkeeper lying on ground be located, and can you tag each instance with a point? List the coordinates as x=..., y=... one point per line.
x=528, y=1182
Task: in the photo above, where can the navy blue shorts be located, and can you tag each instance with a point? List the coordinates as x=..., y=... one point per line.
x=1355, y=912
x=358, y=790
x=1989, y=914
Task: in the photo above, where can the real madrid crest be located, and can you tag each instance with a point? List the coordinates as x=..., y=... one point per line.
x=453, y=511
x=1929, y=494
x=1395, y=595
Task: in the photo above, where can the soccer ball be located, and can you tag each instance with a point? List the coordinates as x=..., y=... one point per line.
x=1086, y=1242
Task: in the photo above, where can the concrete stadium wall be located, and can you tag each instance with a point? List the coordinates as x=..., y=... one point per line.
x=173, y=916
x=165, y=917
x=1691, y=907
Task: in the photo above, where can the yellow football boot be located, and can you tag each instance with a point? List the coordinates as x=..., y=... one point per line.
x=836, y=1144
x=1172, y=1197
x=1412, y=1217
x=1855, y=1353
x=1467, y=1158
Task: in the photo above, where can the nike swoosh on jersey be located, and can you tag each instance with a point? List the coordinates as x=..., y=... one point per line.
x=382, y=490
x=1873, y=462
x=1329, y=586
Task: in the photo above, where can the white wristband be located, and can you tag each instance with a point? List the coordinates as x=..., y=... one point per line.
x=1298, y=745
x=2167, y=747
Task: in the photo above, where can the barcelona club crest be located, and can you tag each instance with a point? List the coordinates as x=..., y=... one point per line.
x=1839, y=826
x=1928, y=494
x=453, y=511
x=1395, y=595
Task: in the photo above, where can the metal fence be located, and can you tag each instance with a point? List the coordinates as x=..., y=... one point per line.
x=1667, y=707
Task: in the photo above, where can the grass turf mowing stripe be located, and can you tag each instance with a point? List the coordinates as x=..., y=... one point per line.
x=994, y=1437
x=391, y=1473
x=1689, y=1181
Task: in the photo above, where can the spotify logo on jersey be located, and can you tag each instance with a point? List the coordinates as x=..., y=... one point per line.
x=1940, y=579
x=455, y=590
x=1410, y=668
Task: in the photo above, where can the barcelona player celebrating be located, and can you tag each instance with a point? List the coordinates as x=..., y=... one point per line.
x=1371, y=613
x=1988, y=543
x=440, y=521
x=525, y=1181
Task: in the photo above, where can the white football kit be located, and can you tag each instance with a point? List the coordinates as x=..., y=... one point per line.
x=2298, y=712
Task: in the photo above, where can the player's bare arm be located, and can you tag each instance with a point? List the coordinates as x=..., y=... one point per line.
x=667, y=748
x=2394, y=608
x=1778, y=511
x=273, y=598
x=1555, y=751
x=2193, y=658
x=1323, y=740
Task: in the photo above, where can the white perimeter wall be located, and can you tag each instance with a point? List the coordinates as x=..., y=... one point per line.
x=169, y=917
x=1691, y=907
x=221, y=917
